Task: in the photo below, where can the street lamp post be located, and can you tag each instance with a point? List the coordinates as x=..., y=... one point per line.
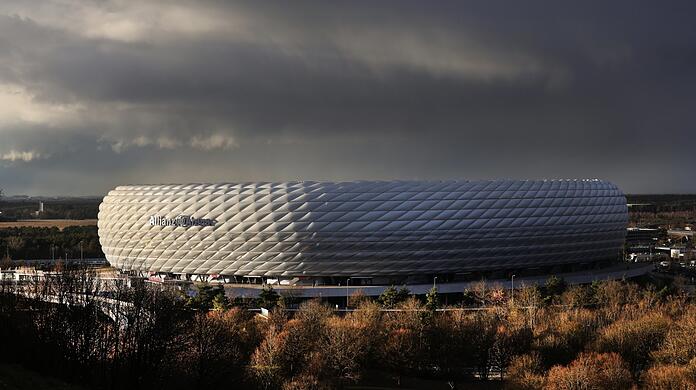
x=512, y=290
x=347, y=283
x=435, y=282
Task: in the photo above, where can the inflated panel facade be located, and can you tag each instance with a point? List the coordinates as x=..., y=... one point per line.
x=361, y=228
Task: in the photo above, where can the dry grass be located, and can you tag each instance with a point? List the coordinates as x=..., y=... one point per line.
x=42, y=223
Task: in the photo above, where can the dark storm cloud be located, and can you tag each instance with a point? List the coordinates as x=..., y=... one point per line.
x=169, y=91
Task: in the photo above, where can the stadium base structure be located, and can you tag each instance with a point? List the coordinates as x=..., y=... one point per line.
x=367, y=232
x=619, y=271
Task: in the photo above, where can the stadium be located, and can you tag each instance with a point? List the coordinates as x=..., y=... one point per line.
x=369, y=232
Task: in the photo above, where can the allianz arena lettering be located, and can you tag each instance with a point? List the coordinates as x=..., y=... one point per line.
x=181, y=221
x=362, y=228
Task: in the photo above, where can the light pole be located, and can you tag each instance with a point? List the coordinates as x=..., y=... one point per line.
x=435, y=282
x=512, y=290
x=347, y=283
x=82, y=257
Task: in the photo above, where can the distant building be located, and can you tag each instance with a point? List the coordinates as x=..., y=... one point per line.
x=643, y=240
x=40, y=210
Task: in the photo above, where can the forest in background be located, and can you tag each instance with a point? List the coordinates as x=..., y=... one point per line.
x=668, y=211
x=60, y=208
x=32, y=243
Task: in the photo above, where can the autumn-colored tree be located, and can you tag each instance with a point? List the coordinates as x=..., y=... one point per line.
x=479, y=291
x=305, y=382
x=679, y=346
x=368, y=318
x=357, y=298
x=482, y=331
x=461, y=343
x=634, y=339
x=564, y=334
x=590, y=371
x=15, y=243
x=217, y=345
x=312, y=349
x=612, y=295
x=6, y=261
x=497, y=295
x=526, y=372
x=529, y=299
x=510, y=340
x=289, y=347
x=267, y=365
x=344, y=347
x=303, y=334
x=403, y=347
x=278, y=316
x=576, y=297
x=448, y=344
x=671, y=376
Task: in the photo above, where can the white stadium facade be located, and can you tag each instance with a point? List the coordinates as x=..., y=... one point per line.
x=299, y=233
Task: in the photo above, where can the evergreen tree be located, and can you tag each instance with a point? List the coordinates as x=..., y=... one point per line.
x=432, y=300
x=554, y=287
x=268, y=297
x=220, y=302
x=391, y=296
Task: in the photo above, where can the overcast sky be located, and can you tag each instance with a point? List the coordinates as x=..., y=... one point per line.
x=94, y=94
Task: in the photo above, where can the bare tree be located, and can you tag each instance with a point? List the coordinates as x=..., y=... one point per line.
x=216, y=347
x=15, y=243
x=267, y=363
x=346, y=344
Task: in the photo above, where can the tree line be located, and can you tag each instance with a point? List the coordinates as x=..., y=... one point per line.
x=612, y=334
x=29, y=243
x=76, y=208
